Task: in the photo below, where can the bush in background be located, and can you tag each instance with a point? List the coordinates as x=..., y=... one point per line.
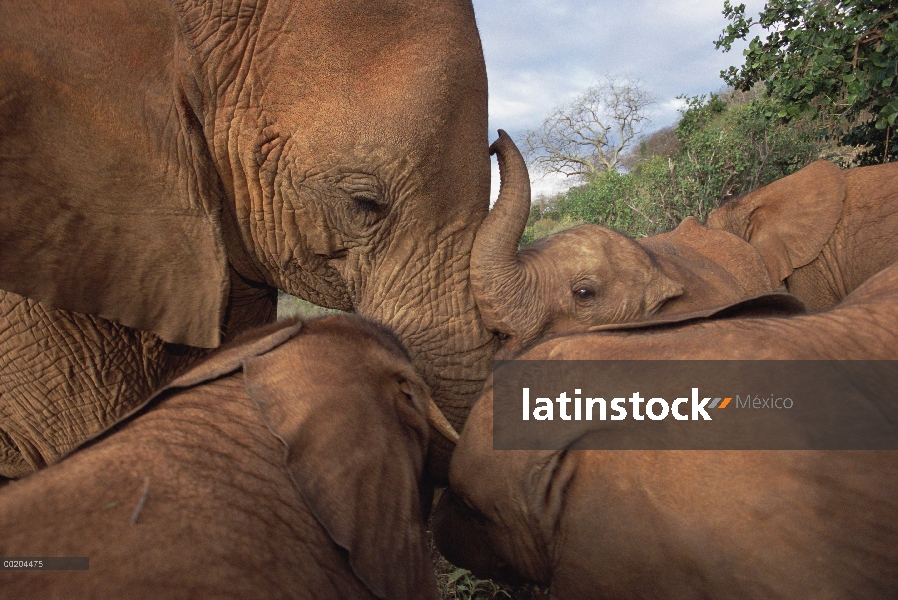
x=724, y=146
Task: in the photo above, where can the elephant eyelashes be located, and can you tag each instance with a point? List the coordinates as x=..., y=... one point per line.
x=366, y=202
x=366, y=193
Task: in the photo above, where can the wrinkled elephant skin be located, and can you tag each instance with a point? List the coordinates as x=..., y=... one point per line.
x=165, y=167
x=261, y=472
x=688, y=524
x=590, y=275
x=822, y=231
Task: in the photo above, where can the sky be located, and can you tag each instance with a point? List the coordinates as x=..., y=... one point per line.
x=543, y=53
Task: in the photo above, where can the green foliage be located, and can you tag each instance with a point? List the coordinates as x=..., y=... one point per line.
x=465, y=585
x=460, y=584
x=604, y=199
x=837, y=58
x=727, y=145
x=540, y=228
x=735, y=143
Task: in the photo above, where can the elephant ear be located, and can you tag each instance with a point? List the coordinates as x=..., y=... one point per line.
x=790, y=220
x=660, y=289
x=713, y=249
x=109, y=203
x=355, y=453
x=228, y=359
x=771, y=304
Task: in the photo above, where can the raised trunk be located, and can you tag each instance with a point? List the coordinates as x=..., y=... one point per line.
x=496, y=276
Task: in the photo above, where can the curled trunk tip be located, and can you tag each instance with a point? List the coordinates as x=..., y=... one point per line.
x=496, y=276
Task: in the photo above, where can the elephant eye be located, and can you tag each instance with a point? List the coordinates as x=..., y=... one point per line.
x=583, y=292
x=366, y=195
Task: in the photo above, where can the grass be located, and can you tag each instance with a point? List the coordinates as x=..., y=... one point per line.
x=291, y=306
x=456, y=583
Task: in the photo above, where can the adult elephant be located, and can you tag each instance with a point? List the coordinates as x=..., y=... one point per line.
x=822, y=231
x=591, y=275
x=166, y=166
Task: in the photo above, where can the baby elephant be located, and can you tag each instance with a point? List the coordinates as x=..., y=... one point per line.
x=688, y=524
x=591, y=275
x=288, y=465
x=621, y=525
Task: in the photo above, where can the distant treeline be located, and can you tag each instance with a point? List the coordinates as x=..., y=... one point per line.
x=723, y=146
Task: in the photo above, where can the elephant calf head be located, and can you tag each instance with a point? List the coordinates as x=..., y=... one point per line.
x=289, y=464
x=671, y=524
x=591, y=276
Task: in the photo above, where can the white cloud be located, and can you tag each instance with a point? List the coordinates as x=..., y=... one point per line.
x=542, y=53
x=547, y=185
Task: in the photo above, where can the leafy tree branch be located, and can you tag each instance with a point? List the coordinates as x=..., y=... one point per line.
x=838, y=59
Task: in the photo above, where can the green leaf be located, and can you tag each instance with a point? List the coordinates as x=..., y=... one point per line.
x=810, y=59
x=458, y=574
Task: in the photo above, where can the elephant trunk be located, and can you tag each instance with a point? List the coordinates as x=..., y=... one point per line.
x=497, y=277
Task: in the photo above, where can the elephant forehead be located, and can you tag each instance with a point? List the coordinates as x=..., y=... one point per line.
x=335, y=72
x=589, y=248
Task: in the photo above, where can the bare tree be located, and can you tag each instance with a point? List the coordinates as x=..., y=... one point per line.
x=588, y=135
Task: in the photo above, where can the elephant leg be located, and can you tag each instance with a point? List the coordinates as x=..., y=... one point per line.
x=66, y=376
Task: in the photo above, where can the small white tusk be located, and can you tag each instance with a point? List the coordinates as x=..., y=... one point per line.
x=436, y=418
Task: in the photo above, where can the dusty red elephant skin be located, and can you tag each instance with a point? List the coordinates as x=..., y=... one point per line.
x=822, y=231
x=258, y=473
x=689, y=524
x=165, y=167
x=590, y=275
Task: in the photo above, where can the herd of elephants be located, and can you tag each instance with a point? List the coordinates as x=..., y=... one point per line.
x=166, y=166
